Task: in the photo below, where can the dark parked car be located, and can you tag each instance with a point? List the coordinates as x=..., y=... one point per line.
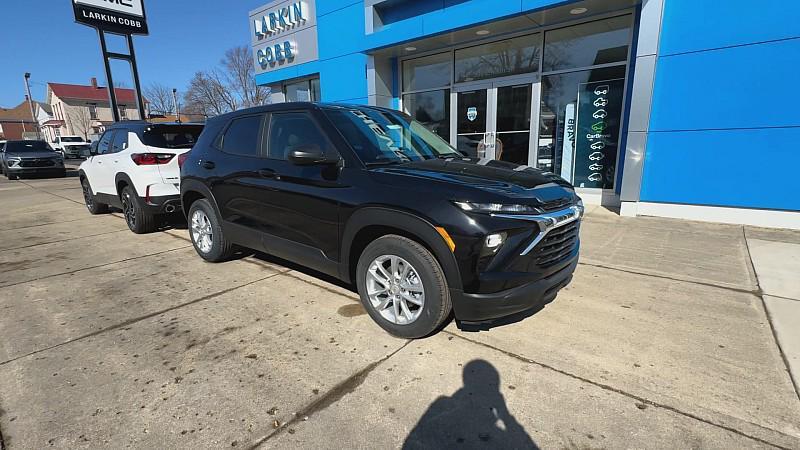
x=374, y=198
x=30, y=157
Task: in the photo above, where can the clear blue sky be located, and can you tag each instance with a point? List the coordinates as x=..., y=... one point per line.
x=41, y=37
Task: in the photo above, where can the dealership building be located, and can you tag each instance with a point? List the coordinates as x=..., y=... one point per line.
x=674, y=108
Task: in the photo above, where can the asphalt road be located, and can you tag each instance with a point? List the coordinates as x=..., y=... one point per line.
x=110, y=339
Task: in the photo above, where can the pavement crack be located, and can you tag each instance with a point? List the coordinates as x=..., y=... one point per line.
x=756, y=291
x=335, y=394
x=62, y=240
x=144, y=317
x=627, y=394
x=44, y=224
x=769, y=319
x=50, y=193
x=92, y=267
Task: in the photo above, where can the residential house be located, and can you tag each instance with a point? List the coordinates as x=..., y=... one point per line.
x=16, y=122
x=85, y=110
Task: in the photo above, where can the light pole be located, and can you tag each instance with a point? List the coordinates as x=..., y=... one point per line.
x=175, y=104
x=30, y=105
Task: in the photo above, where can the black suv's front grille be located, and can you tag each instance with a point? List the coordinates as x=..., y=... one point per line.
x=36, y=163
x=556, y=246
x=555, y=205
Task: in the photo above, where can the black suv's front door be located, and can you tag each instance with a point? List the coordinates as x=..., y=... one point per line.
x=300, y=202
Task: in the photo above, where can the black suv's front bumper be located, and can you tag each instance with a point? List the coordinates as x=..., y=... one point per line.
x=485, y=308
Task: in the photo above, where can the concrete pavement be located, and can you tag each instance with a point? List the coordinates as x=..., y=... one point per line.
x=114, y=340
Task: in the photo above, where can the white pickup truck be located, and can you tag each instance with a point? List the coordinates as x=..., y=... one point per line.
x=71, y=146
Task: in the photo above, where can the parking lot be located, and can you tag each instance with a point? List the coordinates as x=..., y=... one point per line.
x=110, y=339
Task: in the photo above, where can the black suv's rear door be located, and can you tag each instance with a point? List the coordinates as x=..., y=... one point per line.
x=233, y=174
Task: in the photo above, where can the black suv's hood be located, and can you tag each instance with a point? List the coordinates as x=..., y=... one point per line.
x=31, y=155
x=491, y=176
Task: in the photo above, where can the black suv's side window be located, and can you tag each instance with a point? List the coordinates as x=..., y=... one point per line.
x=104, y=146
x=288, y=131
x=243, y=136
x=120, y=142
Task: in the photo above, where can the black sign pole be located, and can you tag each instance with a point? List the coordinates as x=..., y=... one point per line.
x=112, y=94
x=137, y=85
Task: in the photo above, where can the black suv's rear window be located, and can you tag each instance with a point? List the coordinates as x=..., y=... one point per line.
x=27, y=146
x=171, y=136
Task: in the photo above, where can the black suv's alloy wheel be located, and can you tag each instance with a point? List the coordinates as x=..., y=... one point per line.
x=402, y=287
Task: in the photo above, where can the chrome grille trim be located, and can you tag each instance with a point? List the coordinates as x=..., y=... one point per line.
x=547, y=222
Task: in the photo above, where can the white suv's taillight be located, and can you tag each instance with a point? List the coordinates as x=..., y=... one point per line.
x=151, y=159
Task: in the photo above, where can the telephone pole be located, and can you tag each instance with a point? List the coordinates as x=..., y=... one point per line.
x=30, y=105
x=175, y=104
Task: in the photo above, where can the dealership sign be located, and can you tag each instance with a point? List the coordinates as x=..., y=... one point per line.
x=598, y=127
x=283, y=33
x=115, y=16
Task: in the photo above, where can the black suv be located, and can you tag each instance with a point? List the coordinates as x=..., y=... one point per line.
x=372, y=197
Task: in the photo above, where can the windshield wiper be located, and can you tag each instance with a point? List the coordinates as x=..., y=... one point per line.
x=387, y=162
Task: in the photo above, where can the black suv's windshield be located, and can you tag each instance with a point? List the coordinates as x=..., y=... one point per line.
x=388, y=137
x=27, y=146
x=172, y=136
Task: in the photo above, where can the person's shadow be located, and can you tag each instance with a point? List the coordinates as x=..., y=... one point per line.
x=475, y=416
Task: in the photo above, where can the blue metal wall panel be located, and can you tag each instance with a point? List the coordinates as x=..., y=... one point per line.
x=692, y=25
x=739, y=168
x=737, y=87
x=724, y=118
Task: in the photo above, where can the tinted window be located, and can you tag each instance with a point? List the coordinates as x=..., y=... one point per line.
x=427, y=72
x=498, y=59
x=27, y=146
x=71, y=139
x=242, y=136
x=292, y=130
x=120, y=142
x=172, y=136
x=105, y=142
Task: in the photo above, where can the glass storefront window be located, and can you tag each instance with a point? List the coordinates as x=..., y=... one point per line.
x=428, y=72
x=498, y=59
x=587, y=44
x=303, y=91
x=579, y=125
x=431, y=109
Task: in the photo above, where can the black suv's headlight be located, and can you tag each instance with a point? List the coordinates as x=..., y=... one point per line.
x=494, y=208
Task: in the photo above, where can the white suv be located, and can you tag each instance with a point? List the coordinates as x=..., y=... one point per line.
x=135, y=168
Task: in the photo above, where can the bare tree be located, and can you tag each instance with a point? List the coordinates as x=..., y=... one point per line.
x=209, y=95
x=80, y=121
x=160, y=98
x=240, y=74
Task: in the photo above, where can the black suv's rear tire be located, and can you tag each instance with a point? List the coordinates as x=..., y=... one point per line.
x=139, y=221
x=205, y=230
x=92, y=204
x=409, y=268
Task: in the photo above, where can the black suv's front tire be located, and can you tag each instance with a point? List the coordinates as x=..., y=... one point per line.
x=206, y=233
x=402, y=286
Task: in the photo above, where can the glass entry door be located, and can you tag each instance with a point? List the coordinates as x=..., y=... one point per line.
x=493, y=120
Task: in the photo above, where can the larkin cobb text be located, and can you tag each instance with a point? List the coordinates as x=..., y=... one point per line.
x=111, y=19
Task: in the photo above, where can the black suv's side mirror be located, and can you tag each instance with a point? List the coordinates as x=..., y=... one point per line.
x=307, y=155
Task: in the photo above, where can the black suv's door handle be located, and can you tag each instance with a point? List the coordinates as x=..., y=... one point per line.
x=208, y=165
x=267, y=173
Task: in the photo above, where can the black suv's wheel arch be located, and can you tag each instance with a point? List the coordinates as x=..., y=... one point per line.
x=367, y=224
x=193, y=190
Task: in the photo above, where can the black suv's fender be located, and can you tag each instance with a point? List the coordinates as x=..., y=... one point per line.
x=411, y=225
x=191, y=190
